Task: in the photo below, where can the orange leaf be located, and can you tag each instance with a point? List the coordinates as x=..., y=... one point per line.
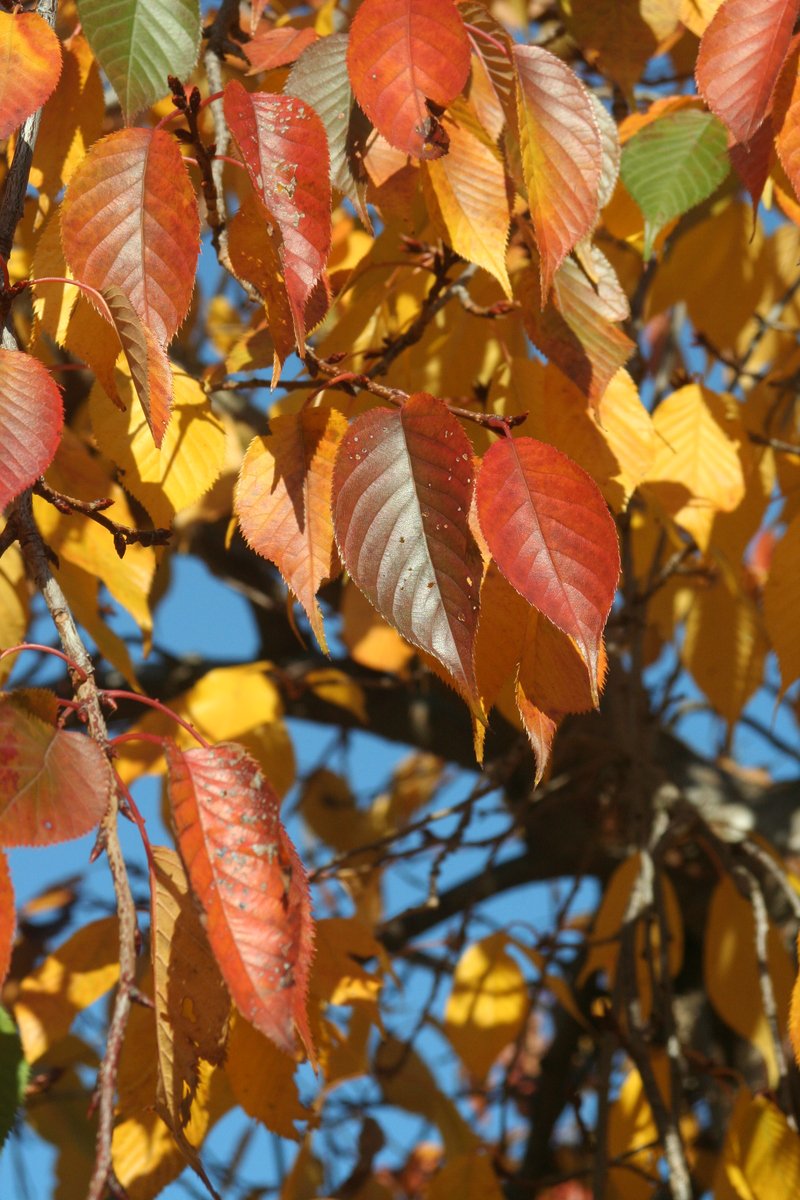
x=250, y=883
x=402, y=54
x=562, y=154
x=130, y=220
x=149, y=365
x=31, y=417
x=54, y=785
x=273, y=48
x=71, y=121
x=283, y=501
x=31, y=56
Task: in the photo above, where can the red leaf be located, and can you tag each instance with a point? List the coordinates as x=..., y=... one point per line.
x=552, y=536
x=31, y=418
x=752, y=160
x=149, y=365
x=277, y=47
x=562, y=154
x=740, y=56
x=785, y=119
x=285, y=150
x=250, y=883
x=403, y=53
x=130, y=220
x=31, y=56
x=283, y=501
x=403, y=486
x=53, y=785
x=8, y=917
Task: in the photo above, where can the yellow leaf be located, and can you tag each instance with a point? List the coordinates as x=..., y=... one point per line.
x=229, y=704
x=72, y=119
x=262, y=1079
x=696, y=14
x=761, y=1155
x=53, y=302
x=13, y=604
x=698, y=468
x=470, y=1177
x=488, y=1005
x=68, y=981
x=628, y=429
x=632, y=1130
x=192, y=1002
x=371, y=642
x=171, y=478
x=337, y=688
x=406, y=1082
x=614, y=37
x=466, y=193
x=330, y=810
x=82, y=589
x=223, y=324
x=782, y=603
x=337, y=976
x=730, y=969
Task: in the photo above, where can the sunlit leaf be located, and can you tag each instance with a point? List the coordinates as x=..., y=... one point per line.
x=31, y=417
x=138, y=43
x=402, y=487
x=250, y=883
x=262, y=1079
x=283, y=501
x=148, y=364
x=761, y=1154
x=285, y=149
x=402, y=54
x=130, y=220
x=82, y=969
x=30, y=51
x=368, y=638
x=672, y=165
x=14, y=603
x=54, y=784
x=488, y=1004
x=71, y=121
x=739, y=59
x=491, y=61
x=562, y=154
x=192, y=1003
x=785, y=123
x=552, y=536
x=271, y=48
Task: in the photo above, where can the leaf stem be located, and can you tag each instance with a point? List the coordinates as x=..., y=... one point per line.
x=121, y=694
x=73, y=666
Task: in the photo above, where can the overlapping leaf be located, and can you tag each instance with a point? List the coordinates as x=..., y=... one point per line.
x=320, y=78
x=402, y=491
x=130, y=220
x=283, y=501
x=138, y=43
x=271, y=48
x=285, y=149
x=673, y=164
x=147, y=362
x=192, y=1003
x=30, y=51
x=54, y=785
x=740, y=56
x=250, y=883
x=491, y=48
x=562, y=154
x=8, y=918
x=71, y=121
x=31, y=417
x=402, y=54
x=553, y=538
x=785, y=121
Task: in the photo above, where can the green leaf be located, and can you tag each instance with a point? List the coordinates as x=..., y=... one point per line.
x=672, y=165
x=13, y=1073
x=139, y=42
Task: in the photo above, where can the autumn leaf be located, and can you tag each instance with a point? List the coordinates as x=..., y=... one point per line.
x=138, y=43
x=31, y=417
x=488, y=1003
x=8, y=918
x=54, y=784
x=71, y=121
x=271, y=48
x=148, y=364
x=283, y=501
x=285, y=150
x=31, y=51
x=780, y=604
x=129, y=220
x=402, y=487
x=250, y=883
x=562, y=154
x=407, y=59
x=740, y=56
x=13, y=1074
x=552, y=536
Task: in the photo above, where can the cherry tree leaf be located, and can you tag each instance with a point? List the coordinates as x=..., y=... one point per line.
x=491, y=48
x=285, y=150
x=192, y=1002
x=250, y=883
x=54, y=785
x=30, y=52
x=130, y=220
x=740, y=57
x=781, y=598
x=785, y=121
x=553, y=538
x=14, y=1073
x=283, y=501
x=271, y=48
x=147, y=362
x=403, y=486
x=673, y=164
x=8, y=917
x=402, y=54
x=31, y=418
x=320, y=78
x=562, y=154
x=138, y=43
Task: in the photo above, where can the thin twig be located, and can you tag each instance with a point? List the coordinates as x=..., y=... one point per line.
x=123, y=535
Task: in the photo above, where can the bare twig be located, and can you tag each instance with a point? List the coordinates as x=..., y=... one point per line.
x=123, y=535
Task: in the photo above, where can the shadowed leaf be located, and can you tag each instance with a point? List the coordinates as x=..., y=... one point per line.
x=147, y=362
